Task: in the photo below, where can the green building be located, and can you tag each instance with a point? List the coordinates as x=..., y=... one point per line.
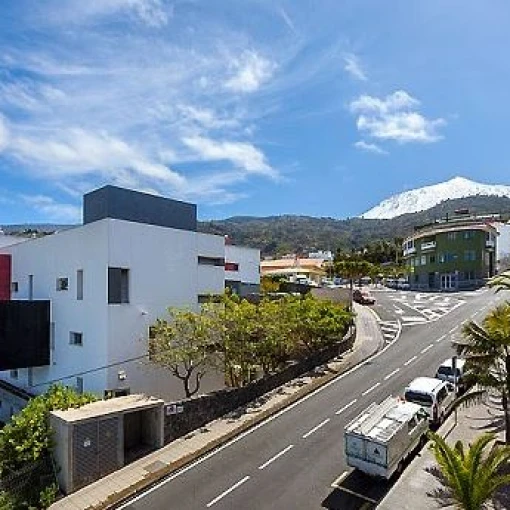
x=451, y=255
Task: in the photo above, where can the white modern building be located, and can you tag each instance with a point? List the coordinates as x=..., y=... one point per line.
x=104, y=283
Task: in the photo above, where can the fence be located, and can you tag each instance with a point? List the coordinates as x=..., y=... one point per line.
x=191, y=414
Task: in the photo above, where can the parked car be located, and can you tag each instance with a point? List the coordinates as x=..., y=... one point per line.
x=379, y=440
x=363, y=297
x=445, y=372
x=434, y=395
x=403, y=284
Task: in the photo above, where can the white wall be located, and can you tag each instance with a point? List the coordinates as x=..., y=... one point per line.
x=503, y=241
x=249, y=264
x=61, y=255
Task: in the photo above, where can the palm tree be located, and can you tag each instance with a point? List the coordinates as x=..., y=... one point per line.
x=487, y=350
x=352, y=269
x=473, y=476
x=501, y=282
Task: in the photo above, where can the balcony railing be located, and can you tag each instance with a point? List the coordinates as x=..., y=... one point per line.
x=430, y=245
x=409, y=251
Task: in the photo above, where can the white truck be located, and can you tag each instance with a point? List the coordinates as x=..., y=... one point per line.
x=381, y=438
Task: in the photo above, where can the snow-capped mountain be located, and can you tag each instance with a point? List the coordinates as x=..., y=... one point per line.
x=424, y=198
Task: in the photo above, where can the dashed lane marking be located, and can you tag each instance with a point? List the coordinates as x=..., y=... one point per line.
x=342, y=409
x=391, y=374
x=409, y=361
x=424, y=350
x=372, y=388
x=277, y=456
x=228, y=491
x=316, y=428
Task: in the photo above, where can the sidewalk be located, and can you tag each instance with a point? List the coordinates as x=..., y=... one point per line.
x=149, y=469
x=415, y=488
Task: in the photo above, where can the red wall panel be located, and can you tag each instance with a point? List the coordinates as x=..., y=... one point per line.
x=5, y=277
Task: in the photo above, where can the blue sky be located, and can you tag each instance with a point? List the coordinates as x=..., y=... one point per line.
x=248, y=107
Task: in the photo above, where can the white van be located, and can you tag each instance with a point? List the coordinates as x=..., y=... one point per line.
x=445, y=372
x=434, y=395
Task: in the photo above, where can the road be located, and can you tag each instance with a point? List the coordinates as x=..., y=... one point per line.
x=291, y=459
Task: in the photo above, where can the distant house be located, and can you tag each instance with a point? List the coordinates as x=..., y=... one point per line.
x=452, y=255
x=295, y=269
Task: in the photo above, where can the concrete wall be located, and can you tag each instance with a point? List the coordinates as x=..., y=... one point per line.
x=249, y=264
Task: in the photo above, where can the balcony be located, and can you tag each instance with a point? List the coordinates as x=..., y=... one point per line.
x=491, y=244
x=430, y=245
x=409, y=251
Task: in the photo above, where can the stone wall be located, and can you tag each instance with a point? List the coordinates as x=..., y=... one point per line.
x=190, y=414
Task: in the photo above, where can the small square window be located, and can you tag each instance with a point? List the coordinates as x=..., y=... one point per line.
x=79, y=385
x=14, y=287
x=14, y=373
x=75, y=338
x=62, y=283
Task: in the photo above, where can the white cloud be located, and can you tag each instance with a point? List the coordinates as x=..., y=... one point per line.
x=4, y=134
x=395, y=117
x=369, y=147
x=206, y=117
x=354, y=68
x=251, y=71
x=288, y=20
x=53, y=210
x=243, y=155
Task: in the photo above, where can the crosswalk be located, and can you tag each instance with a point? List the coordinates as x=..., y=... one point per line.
x=390, y=330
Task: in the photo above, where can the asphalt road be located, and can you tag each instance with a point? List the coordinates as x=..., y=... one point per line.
x=291, y=459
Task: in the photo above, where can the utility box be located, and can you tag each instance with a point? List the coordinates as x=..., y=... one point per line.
x=94, y=440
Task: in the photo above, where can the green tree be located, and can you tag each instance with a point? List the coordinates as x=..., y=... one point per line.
x=501, y=282
x=27, y=437
x=487, y=351
x=470, y=476
x=186, y=344
x=352, y=269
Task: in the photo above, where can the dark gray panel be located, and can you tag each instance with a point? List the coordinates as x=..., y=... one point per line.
x=124, y=204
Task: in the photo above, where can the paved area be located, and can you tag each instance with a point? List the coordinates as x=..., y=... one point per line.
x=417, y=488
x=177, y=454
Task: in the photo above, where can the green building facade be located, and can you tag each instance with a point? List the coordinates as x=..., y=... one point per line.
x=451, y=256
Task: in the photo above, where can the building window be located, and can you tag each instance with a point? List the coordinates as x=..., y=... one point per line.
x=79, y=385
x=79, y=284
x=30, y=287
x=14, y=373
x=441, y=258
x=469, y=255
x=75, y=338
x=432, y=259
x=62, y=283
x=211, y=261
x=118, y=285
x=469, y=234
x=208, y=298
x=423, y=260
x=14, y=287
x=452, y=236
x=231, y=266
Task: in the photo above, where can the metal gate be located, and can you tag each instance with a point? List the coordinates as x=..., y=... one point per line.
x=95, y=448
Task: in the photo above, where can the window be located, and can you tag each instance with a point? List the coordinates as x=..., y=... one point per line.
x=211, y=261
x=62, y=283
x=470, y=255
x=30, y=287
x=442, y=258
x=75, y=338
x=14, y=373
x=469, y=234
x=14, y=287
x=231, y=266
x=432, y=259
x=118, y=285
x=452, y=236
x=208, y=298
x=79, y=284
x=423, y=260
x=441, y=395
x=79, y=385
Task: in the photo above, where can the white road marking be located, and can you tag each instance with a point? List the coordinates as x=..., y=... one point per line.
x=346, y=406
x=277, y=456
x=339, y=480
x=424, y=350
x=372, y=388
x=316, y=428
x=409, y=361
x=414, y=318
x=440, y=339
x=228, y=491
x=391, y=374
x=453, y=330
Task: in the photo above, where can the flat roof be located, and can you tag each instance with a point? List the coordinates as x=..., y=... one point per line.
x=125, y=404
x=424, y=384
